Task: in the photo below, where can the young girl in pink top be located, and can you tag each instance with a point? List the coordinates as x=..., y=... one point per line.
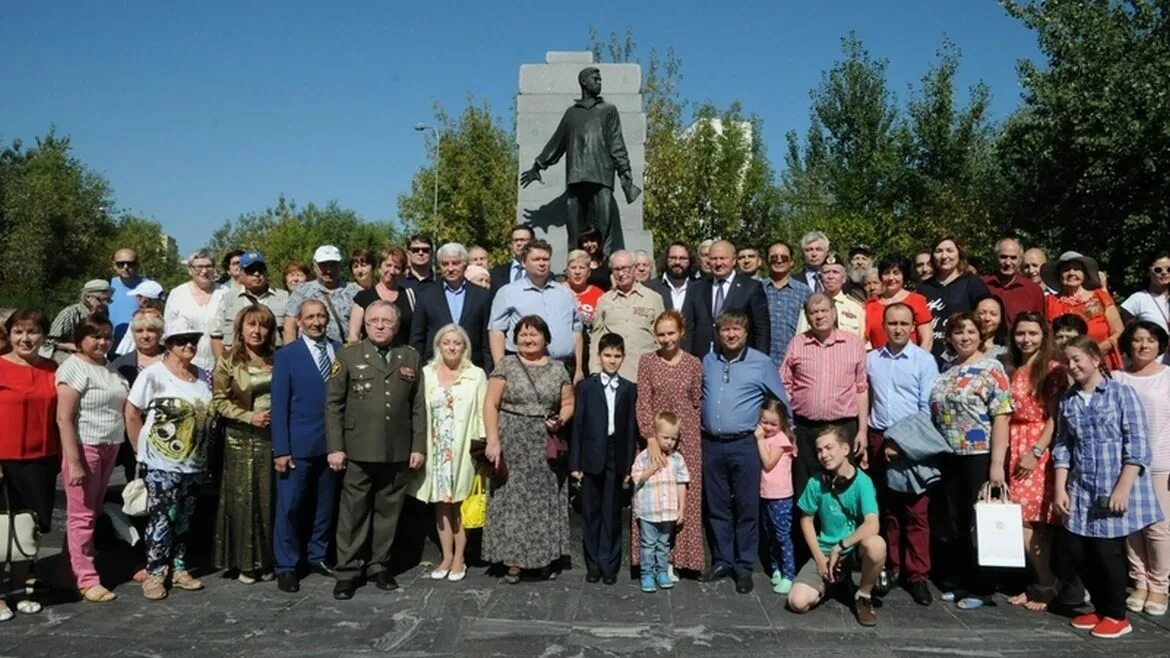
x=776, y=452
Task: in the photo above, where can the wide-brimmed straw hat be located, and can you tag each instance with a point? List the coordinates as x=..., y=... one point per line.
x=1092, y=277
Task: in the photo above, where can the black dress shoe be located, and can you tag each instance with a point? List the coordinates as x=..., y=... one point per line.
x=743, y=583
x=920, y=592
x=713, y=574
x=385, y=581
x=287, y=582
x=344, y=590
x=609, y=579
x=321, y=569
x=592, y=577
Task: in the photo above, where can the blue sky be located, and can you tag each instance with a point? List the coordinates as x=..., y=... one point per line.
x=198, y=112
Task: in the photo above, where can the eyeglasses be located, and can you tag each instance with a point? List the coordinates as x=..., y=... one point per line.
x=184, y=339
x=125, y=263
x=420, y=250
x=1160, y=270
x=620, y=268
x=202, y=268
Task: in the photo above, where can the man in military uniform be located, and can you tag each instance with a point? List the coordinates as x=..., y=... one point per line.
x=375, y=429
x=590, y=139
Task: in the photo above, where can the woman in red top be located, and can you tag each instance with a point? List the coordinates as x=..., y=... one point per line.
x=30, y=448
x=893, y=271
x=1081, y=294
x=577, y=275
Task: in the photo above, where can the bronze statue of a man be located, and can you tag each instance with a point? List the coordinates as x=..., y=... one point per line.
x=590, y=138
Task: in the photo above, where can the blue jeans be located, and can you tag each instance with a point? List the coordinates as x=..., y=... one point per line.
x=778, y=522
x=656, y=537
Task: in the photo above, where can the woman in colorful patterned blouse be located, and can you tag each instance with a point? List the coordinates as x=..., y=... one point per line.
x=971, y=404
x=1101, y=462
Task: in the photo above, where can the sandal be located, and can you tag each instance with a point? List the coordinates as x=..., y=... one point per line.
x=154, y=588
x=28, y=606
x=971, y=603
x=1137, y=600
x=513, y=575
x=1156, y=608
x=184, y=580
x=1038, y=597
x=98, y=594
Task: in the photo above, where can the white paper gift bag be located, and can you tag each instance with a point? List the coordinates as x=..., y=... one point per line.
x=999, y=534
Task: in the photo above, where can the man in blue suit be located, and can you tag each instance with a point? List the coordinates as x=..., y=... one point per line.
x=306, y=488
x=601, y=451
x=455, y=299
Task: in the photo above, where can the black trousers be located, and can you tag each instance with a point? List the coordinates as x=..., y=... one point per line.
x=592, y=205
x=31, y=485
x=962, y=478
x=601, y=516
x=1101, y=564
x=806, y=465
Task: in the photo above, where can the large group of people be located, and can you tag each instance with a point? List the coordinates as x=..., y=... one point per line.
x=847, y=412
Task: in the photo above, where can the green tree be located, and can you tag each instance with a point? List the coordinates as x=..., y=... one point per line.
x=1087, y=156
x=53, y=224
x=478, y=173
x=707, y=178
x=286, y=233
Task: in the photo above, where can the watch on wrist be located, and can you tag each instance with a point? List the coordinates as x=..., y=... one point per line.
x=1037, y=451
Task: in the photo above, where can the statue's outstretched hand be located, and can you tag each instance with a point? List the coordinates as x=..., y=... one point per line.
x=527, y=177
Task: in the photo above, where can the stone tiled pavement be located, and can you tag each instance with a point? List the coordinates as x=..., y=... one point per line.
x=564, y=617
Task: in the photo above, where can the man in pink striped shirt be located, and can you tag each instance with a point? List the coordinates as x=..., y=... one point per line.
x=824, y=375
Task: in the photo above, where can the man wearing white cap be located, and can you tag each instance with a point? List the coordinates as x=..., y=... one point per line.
x=336, y=294
x=253, y=289
x=126, y=278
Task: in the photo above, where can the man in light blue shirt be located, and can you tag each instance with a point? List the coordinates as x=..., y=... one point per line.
x=122, y=306
x=901, y=376
x=736, y=381
x=538, y=294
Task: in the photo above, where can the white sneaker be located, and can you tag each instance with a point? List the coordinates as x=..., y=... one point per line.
x=673, y=576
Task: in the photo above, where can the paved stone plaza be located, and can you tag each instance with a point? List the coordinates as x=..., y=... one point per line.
x=485, y=616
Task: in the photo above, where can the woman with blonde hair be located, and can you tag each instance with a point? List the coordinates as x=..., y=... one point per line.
x=455, y=390
x=241, y=396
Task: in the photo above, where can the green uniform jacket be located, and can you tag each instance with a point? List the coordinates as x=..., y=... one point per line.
x=375, y=410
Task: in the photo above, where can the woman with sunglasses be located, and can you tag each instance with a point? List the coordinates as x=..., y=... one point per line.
x=168, y=418
x=195, y=304
x=1153, y=303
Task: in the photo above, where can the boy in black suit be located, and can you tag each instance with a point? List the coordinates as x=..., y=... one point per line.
x=600, y=454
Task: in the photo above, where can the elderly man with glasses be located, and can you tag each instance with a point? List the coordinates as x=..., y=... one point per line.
x=58, y=345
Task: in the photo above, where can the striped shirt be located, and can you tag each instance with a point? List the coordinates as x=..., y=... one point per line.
x=98, y=419
x=61, y=331
x=786, y=307
x=1094, y=440
x=823, y=379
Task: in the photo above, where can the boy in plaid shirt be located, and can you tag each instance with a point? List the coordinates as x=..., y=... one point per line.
x=660, y=495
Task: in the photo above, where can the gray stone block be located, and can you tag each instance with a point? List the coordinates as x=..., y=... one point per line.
x=562, y=78
x=556, y=103
x=582, y=57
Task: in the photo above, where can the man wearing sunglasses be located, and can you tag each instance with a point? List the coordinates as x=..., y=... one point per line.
x=125, y=279
x=420, y=271
x=786, y=297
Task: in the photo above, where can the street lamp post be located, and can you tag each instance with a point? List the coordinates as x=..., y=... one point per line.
x=422, y=127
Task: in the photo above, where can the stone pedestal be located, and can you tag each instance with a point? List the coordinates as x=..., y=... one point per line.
x=546, y=91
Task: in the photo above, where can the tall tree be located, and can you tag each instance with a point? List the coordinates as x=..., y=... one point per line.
x=286, y=233
x=1087, y=156
x=478, y=172
x=53, y=223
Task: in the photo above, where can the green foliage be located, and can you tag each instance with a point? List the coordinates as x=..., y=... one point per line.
x=54, y=229
x=286, y=233
x=709, y=178
x=1087, y=157
x=478, y=173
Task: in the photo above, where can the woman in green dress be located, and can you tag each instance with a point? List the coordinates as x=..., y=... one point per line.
x=241, y=396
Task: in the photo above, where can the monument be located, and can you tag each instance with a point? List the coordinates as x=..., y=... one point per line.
x=580, y=132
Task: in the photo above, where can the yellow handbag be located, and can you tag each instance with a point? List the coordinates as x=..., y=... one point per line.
x=473, y=511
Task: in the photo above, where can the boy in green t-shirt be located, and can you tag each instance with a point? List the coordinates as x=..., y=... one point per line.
x=844, y=502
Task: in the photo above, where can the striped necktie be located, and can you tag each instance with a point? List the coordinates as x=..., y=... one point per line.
x=324, y=365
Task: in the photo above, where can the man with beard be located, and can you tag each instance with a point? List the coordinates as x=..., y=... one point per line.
x=677, y=277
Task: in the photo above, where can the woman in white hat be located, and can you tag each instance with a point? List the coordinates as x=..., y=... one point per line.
x=168, y=419
x=1076, y=278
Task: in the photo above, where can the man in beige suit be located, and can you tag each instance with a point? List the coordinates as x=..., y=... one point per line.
x=375, y=429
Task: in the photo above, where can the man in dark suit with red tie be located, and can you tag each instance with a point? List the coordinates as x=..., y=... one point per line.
x=724, y=290
x=454, y=299
x=306, y=488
